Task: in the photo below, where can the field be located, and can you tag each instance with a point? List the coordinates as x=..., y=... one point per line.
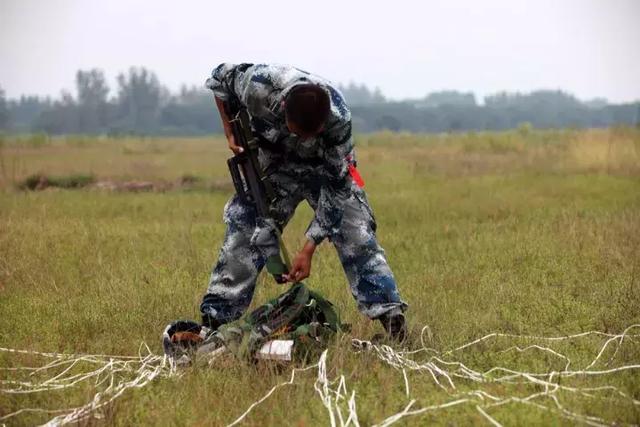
x=522, y=232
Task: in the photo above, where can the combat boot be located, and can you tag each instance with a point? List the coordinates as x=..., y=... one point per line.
x=210, y=322
x=395, y=325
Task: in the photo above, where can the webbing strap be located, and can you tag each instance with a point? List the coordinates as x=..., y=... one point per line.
x=298, y=313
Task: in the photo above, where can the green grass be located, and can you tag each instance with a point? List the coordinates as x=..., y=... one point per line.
x=518, y=232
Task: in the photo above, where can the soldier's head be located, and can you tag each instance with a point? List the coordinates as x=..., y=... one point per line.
x=306, y=108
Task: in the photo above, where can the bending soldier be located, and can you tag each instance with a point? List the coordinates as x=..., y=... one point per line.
x=306, y=150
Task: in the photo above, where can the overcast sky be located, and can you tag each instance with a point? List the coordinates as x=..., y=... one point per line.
x=590, y=48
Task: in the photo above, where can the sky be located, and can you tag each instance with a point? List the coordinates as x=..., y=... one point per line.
x=590, y=48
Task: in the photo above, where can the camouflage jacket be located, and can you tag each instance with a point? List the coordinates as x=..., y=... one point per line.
x=326, y=158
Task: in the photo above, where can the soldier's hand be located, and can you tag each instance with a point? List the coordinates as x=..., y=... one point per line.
x=300, y=269
x=232, y=145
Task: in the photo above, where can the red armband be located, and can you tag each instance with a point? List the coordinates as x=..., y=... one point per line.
x=355, y=175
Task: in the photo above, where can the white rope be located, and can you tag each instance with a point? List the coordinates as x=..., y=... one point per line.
x=406, y=382
x=269, y=393
x=332, y=398
x=552, y=382
x=113, y=375
x=488, y=417
x=406, y=412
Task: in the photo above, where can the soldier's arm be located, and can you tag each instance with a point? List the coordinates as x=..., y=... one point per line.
x=245, y=84
x=228, y=130
x=222, y=83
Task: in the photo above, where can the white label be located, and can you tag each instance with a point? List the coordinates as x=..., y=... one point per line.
x=276, y=350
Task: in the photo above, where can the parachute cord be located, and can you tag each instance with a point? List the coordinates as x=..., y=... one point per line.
x=460, y=382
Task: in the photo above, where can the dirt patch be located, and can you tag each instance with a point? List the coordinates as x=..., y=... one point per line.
x=41, y=182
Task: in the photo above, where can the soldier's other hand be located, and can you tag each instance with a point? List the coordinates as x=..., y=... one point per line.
x=232, y=145
x=301, y=267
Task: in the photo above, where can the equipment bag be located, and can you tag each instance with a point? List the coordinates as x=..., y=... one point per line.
x=299, y=314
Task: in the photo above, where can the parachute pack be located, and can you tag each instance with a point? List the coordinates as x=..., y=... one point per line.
x=296, y=321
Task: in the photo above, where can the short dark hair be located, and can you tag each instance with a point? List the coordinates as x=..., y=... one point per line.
x=307, y=106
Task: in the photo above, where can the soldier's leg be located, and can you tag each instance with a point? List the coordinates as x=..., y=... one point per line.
x=233, y=277
x=248, y=242
x=364, y=262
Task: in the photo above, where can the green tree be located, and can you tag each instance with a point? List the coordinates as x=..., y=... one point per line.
x=62, y=117
x=4, y=111
x=191, y=111
x=448, y=97
x=361, y=95
x=139, y=100
x=92, y=100
x=24, y=112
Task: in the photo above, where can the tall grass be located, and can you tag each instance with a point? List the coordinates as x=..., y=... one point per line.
x=523, y=232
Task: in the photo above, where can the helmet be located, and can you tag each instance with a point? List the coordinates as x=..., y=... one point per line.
x=182, y=338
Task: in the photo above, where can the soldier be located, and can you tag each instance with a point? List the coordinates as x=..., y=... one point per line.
x=306, y=150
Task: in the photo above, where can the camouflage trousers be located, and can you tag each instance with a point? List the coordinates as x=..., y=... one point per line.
x=249, y=241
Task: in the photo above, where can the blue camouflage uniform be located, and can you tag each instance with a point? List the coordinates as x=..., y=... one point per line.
x=313, y=169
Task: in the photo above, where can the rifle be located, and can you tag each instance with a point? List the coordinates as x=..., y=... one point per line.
x=251, y=184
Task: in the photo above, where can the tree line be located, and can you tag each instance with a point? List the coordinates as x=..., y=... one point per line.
x=142, y=105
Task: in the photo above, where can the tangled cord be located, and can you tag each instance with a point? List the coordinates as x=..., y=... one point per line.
x=446, y=372
x=114, y=375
